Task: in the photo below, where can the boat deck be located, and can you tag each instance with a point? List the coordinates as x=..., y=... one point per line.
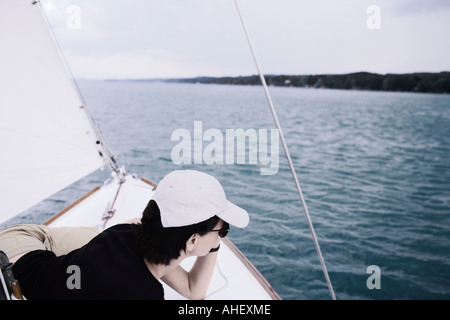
x=234, y=277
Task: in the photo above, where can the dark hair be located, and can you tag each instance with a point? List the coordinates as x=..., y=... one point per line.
x=160, y=245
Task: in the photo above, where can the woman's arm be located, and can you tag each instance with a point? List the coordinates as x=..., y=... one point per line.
x=193, y=284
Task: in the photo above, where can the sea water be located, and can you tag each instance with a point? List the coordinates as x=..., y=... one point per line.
x=374, y=168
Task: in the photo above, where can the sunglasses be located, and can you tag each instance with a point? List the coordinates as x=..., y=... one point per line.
x=222, y=232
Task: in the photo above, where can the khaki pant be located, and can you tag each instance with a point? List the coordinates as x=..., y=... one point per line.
x=23, y=238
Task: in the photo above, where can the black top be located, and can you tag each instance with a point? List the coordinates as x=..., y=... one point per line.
x=109, y=267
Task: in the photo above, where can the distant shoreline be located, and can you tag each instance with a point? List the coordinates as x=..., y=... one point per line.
x=410, y=82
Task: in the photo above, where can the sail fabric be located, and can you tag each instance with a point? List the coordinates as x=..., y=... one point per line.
x=47, y=141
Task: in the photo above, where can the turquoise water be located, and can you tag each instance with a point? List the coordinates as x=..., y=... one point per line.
x=374, y=169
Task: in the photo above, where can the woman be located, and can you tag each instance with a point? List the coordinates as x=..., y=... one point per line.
x=187, y=216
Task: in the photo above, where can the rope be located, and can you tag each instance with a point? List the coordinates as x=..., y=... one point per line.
x=288, y=156
x=121, y=174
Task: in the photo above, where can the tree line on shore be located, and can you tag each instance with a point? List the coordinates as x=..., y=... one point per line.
x=410, y=82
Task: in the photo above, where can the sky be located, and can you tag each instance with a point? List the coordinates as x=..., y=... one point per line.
x=123, y=39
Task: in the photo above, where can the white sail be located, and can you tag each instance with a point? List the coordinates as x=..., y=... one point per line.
x=47, y=140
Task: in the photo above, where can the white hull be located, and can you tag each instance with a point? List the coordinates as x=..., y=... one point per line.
x=234, y=276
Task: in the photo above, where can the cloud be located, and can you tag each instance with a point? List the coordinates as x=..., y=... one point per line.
x=408, y=7
x=151, y=62
x=174, y=38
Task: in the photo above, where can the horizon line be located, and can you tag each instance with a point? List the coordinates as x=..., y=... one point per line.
x=252, y=75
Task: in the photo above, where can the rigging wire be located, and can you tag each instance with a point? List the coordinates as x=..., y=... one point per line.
x=288, y=156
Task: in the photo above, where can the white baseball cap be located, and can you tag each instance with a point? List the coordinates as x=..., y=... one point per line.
x=186, y=197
